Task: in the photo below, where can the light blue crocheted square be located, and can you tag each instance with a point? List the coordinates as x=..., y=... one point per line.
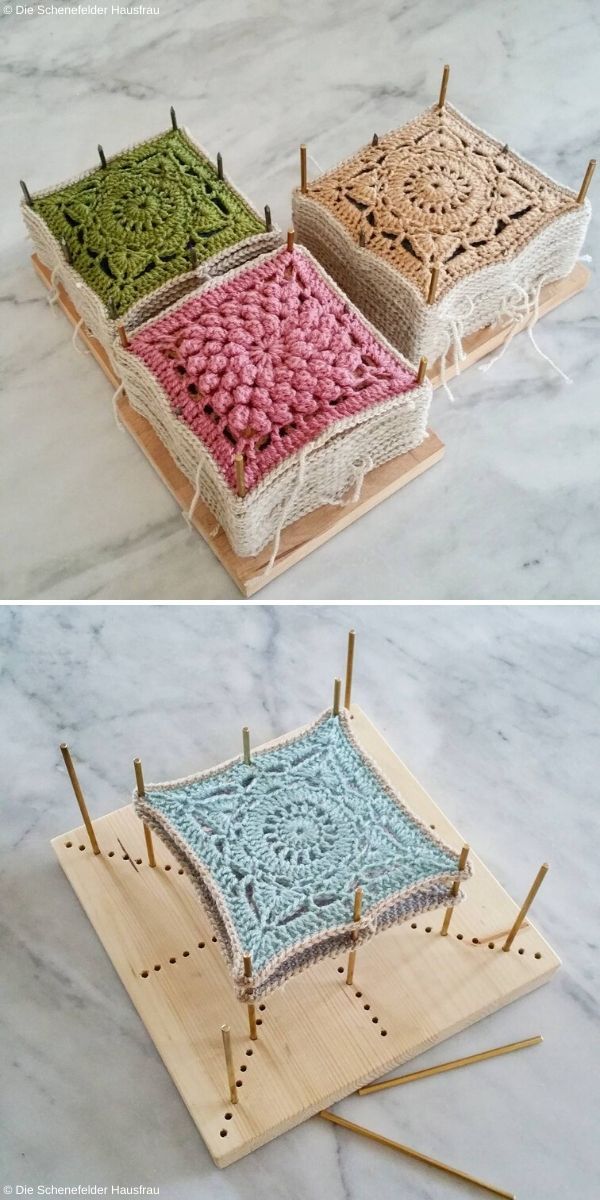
x=280, y=845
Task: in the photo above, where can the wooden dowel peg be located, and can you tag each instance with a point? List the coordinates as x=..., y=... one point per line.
x=303, y=169
x=462, y=862
x=375, y=141
x=139, y=779
x=444, y=87
x=246, y=744
x=226, y=1035
x=240, y=480
x=421, y=373
x=587, y=179
x=358, y=895
x=173, y=118
x=25, y=191
x=453, y=1065
x=349, y=668
x=102, y=156
x=66, y=753
x=433, y=282
x=220, y=166
x=251, y=1007
x=424, y=1158
x=530, y=897
x=268, y=221
x=290, y=240
x=124, y=340
x=337, y=691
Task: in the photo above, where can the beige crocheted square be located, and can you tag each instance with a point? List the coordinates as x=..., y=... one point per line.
x=439, y=193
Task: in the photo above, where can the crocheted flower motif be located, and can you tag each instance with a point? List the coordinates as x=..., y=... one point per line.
x=281, y=844
x=264, y=362
x=128, y=227
x=440, y=193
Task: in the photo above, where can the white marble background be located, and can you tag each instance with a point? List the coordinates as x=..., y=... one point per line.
x=497, y=712
x=513, y=510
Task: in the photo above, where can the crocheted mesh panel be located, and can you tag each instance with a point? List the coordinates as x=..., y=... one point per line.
x=128, y=226
x=279, y=847
x=439, y=192
x=263, y=363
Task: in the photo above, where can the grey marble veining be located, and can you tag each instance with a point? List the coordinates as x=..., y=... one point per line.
x=512, y=512
x=495, y=710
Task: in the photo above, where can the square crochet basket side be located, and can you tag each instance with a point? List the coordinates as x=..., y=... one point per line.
x=151, y=223
x=276, y=848
x=436, y=230
x=271, y=372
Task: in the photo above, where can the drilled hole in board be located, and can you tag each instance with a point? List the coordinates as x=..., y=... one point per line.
x=414, y=925
x=111, y=854
x=262, y=1007
x=537, y=954
x=491, y=945
x=157, y=967
x=375, y=1020
x=340, y=970
x=243, y=1067
x=366, y=1007
x=238, y=1083
x=68, y=845
x=172, y=960
x=432, y=826
x=460, y=936
x=144, y=974
x=186, y=954
x=201, y=945
x=139, y=862
x=228, y=1116
x=180, y=871
x=249, y=1053
x=222, y=1133
x=383, y=1032
x=213, y=939
x=82, y=847
x=125, y=858
x=259, y=1020
x=521, y=951
x=475, y=941
x=167, y=866
x=428, y=929
x=358, y=995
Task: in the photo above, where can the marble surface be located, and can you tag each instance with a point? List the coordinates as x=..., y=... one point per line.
x=512, y=512
x=496, y=710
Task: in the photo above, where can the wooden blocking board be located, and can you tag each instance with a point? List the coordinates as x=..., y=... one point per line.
x=318, y=1039
x=297, y=540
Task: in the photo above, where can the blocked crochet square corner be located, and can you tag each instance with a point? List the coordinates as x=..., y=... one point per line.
x=277, y=848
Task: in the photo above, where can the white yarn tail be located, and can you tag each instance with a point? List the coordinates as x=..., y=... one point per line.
x=52, y=296
x=187, y=516
x=75, y=338
x=115, y=407
x=286, y=509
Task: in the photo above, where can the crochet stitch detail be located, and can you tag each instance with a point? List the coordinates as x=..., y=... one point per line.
x=439, y=192
x=277, y=848
x=266, y=361
x=128, y=227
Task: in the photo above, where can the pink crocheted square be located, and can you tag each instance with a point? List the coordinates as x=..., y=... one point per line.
x=263, y=363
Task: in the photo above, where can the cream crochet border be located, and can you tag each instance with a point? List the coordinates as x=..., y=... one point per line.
x=328, y=943
x=90, y=307
x=329, y=470
x=395, y=305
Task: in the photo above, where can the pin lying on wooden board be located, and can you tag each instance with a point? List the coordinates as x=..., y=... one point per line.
x=452, y=1065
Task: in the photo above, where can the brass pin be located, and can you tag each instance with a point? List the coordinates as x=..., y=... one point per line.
x=290, y=240
x=220, y=166
x=239, y=475
x=355, y=917
x=173, y=118
x=251, y=1007
x=444, y=87
x=587, y=179
x=226, y=1035
x=25, y=191
x=453, y=1065
x=337, y=690
x=66, y=753
x=303, y=169
x=139, y=779
x=127, y=855
x=462, y=862
x=123, y=337
x=375, y=141
x=102, y=156
x=422, y=371
x=268, y=221
x=349, y=668
x=424, y=1158
x=433, y=282
x=246, y=744
x=530, y=897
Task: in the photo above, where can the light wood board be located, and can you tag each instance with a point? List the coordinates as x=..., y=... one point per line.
x=318, y=1039
x=298, y=539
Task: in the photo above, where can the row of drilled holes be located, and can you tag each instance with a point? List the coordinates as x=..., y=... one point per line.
x=244, y=1067
x=475, y=941
x=366, y=1006
x=173, y=959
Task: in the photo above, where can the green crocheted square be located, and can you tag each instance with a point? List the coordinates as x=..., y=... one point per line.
x=277, y=848
x=128, y=226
